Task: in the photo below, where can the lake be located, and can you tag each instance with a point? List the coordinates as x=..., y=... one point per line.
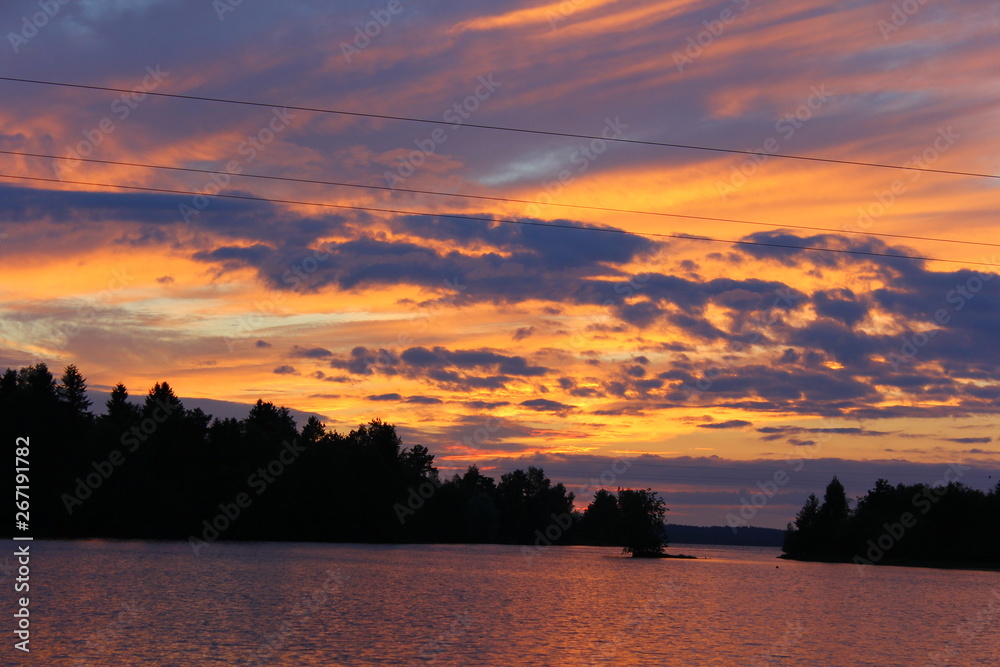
x=156, y=603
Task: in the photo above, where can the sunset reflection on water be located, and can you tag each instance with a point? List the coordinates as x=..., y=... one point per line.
x=131, y=603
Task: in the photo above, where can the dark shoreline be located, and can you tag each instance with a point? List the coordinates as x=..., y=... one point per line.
x=177, y=540
x=929, y=564
x=935, y=565
x=681, y=556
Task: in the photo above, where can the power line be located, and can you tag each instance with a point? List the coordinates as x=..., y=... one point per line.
x=501, y=128
x=668, y=476
x=688, y=237
x=634, y=465
x=494, y=198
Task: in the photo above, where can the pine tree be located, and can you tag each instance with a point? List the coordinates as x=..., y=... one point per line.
x=37, y=383
x=72, y=392
x=162, y=400
x=835, y=510
x=801, y=538
x=120, y=411
x=313, y=431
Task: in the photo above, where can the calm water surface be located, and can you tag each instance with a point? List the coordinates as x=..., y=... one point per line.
x=132, y=603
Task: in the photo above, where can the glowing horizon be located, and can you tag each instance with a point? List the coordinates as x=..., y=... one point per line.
x=570, y=342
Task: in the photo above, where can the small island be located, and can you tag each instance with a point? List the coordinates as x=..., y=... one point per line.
x=946, y=525
x=634, y=519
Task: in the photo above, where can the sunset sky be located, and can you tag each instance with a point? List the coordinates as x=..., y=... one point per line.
x=706, y=363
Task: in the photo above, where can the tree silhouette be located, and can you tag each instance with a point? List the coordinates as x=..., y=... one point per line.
x=602, y=521
x=37, y=382
x=159, y=470
x=803, y=536
x=162, y=397
x=418, y=462
x=642, y=514
x=119, y=410
x=835, y=509
x=903, y=523
x=832, y=519
x=73, y=393
x=313, y=431
x=8, y=384
x=528, y=502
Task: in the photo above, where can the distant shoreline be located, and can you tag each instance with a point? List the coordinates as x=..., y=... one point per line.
x=699, y=536
x=177, y=540
x=933, y=565
x=680, y=556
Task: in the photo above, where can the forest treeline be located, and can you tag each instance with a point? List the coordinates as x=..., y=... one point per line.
x=747, y=536
x=157, y=470
x=945, y=524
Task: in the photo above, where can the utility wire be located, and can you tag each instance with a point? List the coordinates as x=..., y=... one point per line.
x=502, y=128
x=634, y=463
x=530, y=223
x=670, y=476
x=606, y=209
